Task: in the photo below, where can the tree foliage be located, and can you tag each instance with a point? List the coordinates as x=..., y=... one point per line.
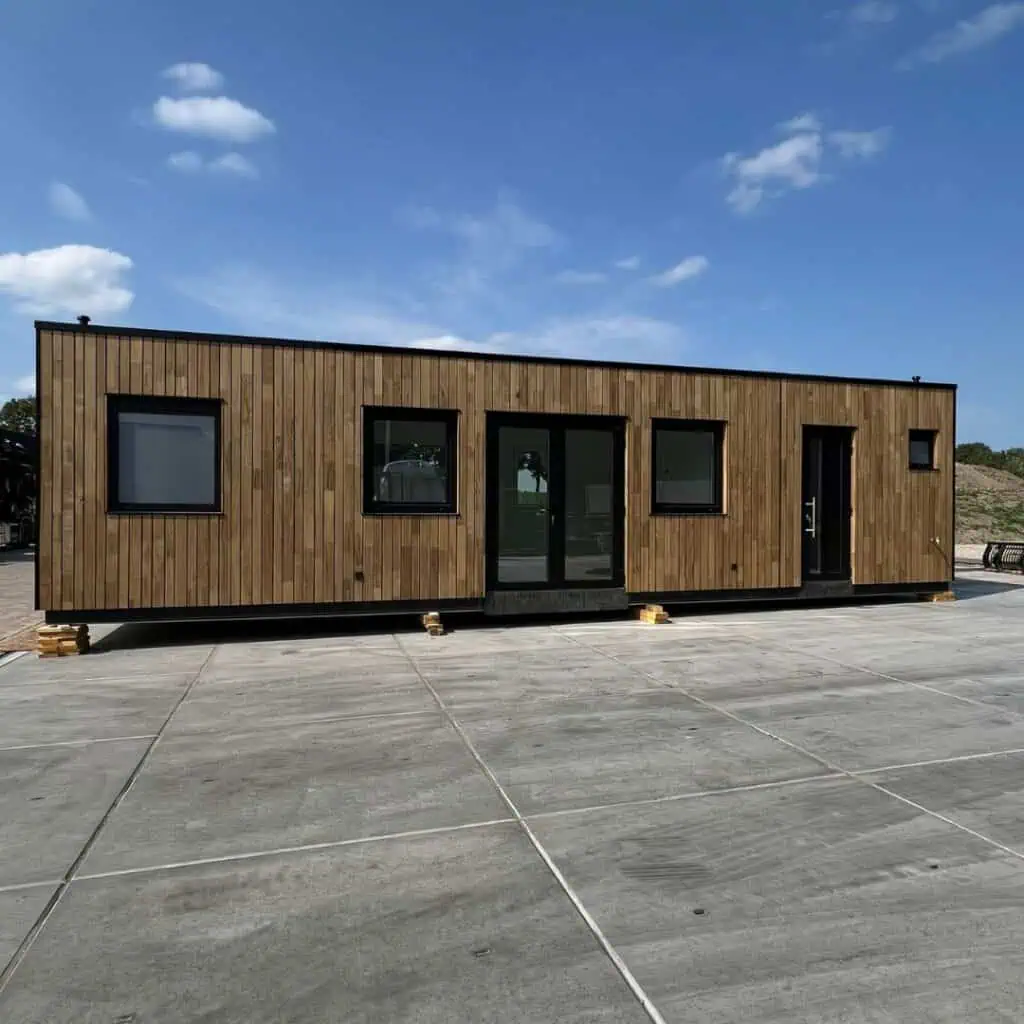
x=19, y=414
x=974, y=453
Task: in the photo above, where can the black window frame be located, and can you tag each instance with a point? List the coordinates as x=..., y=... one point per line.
x=922, y=435
x=714, y=427
x=164, y=405
x=372, y=414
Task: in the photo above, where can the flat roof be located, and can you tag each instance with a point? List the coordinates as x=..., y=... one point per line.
x=244, y=339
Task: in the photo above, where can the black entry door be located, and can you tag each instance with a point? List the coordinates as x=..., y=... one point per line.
x=555, y=502
x=826, y=503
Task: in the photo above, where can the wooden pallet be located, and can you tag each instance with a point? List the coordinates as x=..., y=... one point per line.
x=62, y=641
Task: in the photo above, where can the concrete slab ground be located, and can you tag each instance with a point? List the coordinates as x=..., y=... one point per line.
x=806, y=814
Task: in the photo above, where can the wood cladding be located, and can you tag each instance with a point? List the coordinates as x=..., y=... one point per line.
x=291, y=529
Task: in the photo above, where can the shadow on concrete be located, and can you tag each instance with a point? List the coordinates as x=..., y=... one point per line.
x=137, y=635
x=966, y=588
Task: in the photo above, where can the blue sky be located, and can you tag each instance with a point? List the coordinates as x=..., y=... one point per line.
x=795, y=185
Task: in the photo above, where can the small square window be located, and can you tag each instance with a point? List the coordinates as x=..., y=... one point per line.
x=409, y=461
x=163, y=454
x=922, y=449
x=687, y=467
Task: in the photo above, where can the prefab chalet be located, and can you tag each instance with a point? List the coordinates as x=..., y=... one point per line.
x=187, y=476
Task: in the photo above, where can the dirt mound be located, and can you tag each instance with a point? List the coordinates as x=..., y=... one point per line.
x=989, y=504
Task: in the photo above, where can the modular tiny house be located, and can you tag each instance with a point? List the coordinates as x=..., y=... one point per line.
x=192, y=476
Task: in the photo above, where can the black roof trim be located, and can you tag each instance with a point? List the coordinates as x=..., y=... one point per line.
x=243, y=339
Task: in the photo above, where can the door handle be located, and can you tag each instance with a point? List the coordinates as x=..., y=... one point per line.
x=812, y=517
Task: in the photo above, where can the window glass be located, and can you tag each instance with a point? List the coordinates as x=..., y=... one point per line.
x=165, y=459
x=922, y=449
x=686, y=468
x=410, y=462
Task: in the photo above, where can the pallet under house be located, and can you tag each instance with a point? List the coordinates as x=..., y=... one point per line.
x=187, y=476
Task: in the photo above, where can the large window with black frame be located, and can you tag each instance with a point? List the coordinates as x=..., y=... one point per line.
x=686, y=477
x=409, y=461
x=163, y=454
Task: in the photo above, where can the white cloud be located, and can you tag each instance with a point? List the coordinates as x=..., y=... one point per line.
x=194, y=77
x=66, y=202
x=691, y=267
x=796, y=162
x=70, y=279
x=25, y=385
x=629, y=263
x=507, y=225
x=806, y=122
x=452, y=343
x=793, y=163
x=215, y=117
x=258, y=303
x=488, y=245
x=860, y=145
x=872, y=12
x=189, y=162
x=236, y=164
x=581, y=277
x=626, y=337
x=983, y=29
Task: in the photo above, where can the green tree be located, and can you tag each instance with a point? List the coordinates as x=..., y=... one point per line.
x=19, y=414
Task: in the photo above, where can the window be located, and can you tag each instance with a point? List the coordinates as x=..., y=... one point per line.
x=164, y=454
x=687, y=471
x=409, y=461
x=922, y=449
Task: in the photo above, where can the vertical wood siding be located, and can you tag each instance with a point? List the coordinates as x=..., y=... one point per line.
x=292, y=529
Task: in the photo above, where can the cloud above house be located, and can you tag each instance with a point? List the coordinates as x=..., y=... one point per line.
x=212, y=117
x=686, y=270
x=872, y=12
x=69, y=204
x=797, y=161
x=191, y=76
x=983, y=29
x=67, y=280
x=581, y=277
x=230, y=164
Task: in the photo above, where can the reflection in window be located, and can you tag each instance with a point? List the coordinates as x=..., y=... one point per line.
x=410, y=459
x=163, y=454
x=922, y=449
x=687, y=471
x=531, y=479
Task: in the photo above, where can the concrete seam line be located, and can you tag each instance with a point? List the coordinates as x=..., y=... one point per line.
x=283, y=851
x=823, y=761
x=325, y=720
x=12, y=656
x=938, y=761
x=48, y=884
x=26, y=944
x=77, y=743
x=679, y=797
x=893, y=679
x=595, y=929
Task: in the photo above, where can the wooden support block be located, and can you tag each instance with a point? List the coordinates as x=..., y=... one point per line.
x=432, y=623
x=942, y=595
x=62, y=641
x=653, y=614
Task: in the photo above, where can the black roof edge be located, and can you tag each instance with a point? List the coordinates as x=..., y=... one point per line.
x=244, y=339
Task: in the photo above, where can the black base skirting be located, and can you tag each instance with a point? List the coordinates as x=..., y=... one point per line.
x=556, y=602
x=819, y=590
x=504, y=603
x=236, y=613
